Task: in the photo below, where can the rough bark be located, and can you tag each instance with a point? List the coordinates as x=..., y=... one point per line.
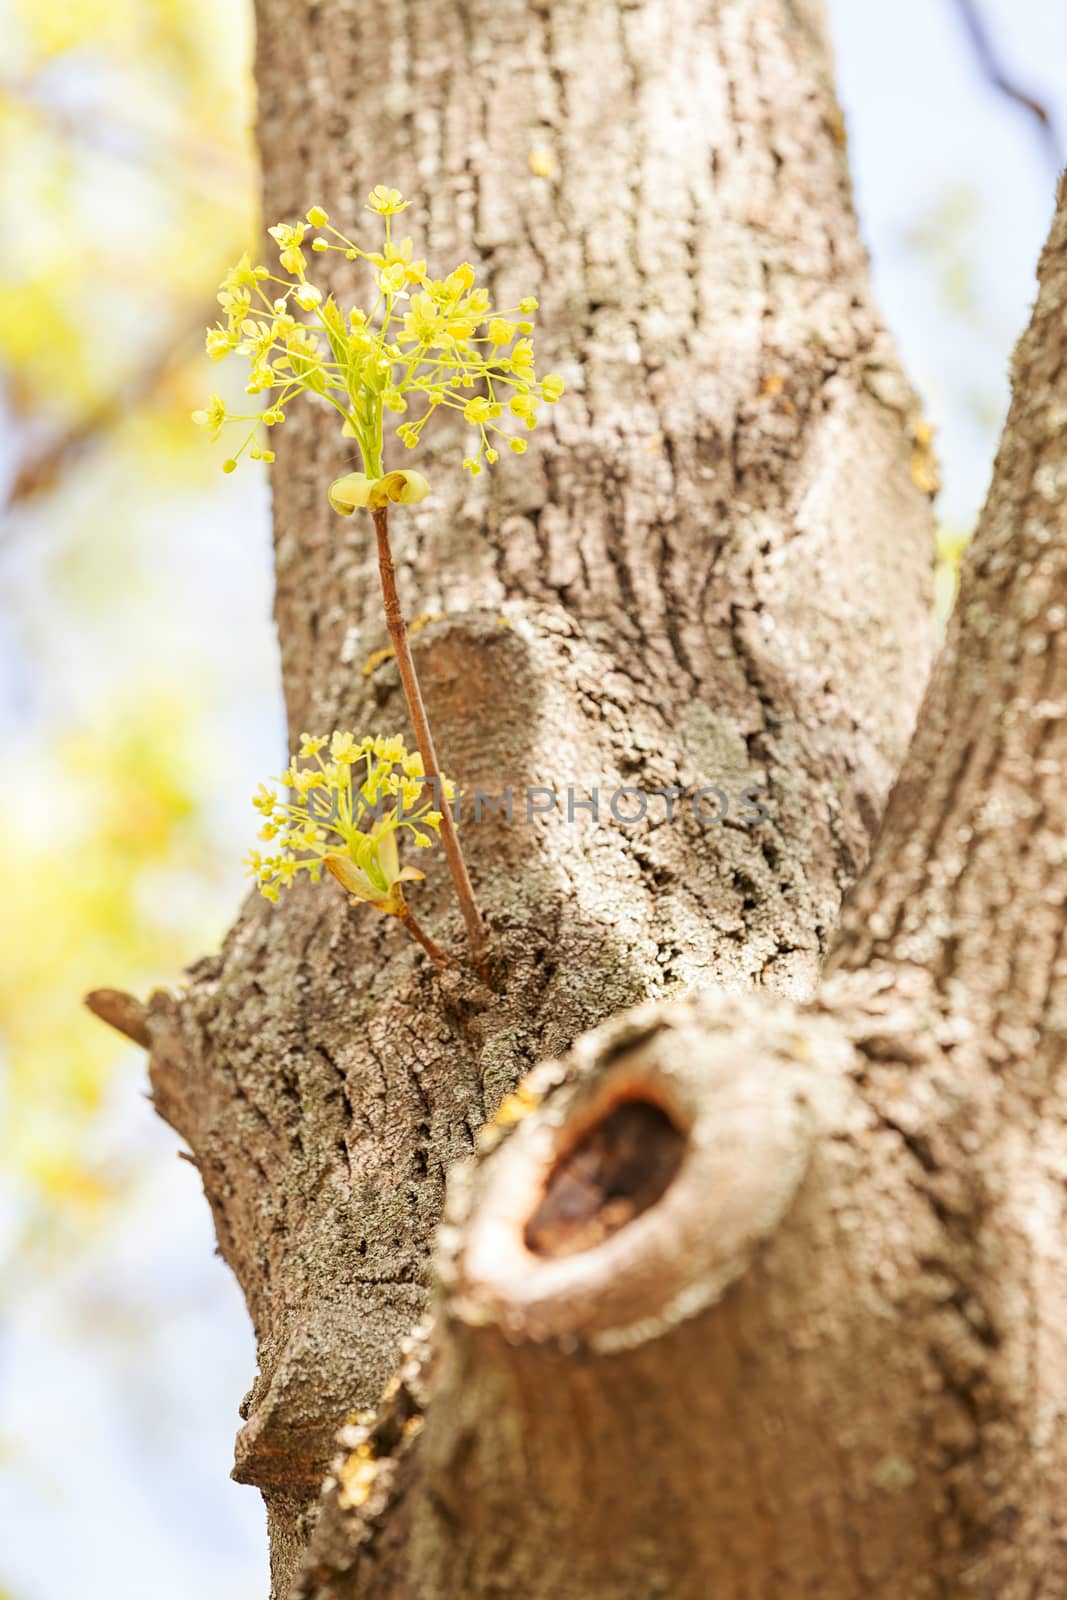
x=712, y=570
x=830, y=1357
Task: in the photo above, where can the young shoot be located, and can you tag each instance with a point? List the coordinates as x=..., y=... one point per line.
x=347, y=803
x=418, y=347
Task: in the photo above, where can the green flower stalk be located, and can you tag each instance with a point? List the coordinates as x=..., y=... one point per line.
x=425, y=345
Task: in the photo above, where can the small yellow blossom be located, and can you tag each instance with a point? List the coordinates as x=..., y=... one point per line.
x=242, y=275
x=386, y=202
x=219, y=343
x=523, y=405
x=289, y=239
x=235, y=302
x=476, y=410
x=213, y=416
x=400, y=254
x=460, y=279
x=391, y=280
x=317, y=217
x=343, y=748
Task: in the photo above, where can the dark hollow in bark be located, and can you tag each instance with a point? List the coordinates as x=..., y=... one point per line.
x=615, y=1170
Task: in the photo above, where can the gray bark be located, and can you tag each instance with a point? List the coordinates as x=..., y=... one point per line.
x=713, y=569
x=829, y=1357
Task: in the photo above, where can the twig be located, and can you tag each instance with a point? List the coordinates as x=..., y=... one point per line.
x=423, y=737
x=432, y=948
x=41, y=471
x=123, y=1012
x=198, y=163
x=990, y=64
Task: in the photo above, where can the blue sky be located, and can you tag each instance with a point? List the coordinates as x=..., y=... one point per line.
x=930, y=139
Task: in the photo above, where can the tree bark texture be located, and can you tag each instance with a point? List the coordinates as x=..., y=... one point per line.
x=712, y=570
x=829, y=1357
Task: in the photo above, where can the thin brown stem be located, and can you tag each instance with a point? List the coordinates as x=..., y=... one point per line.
x=398, y=633
x=990, y=62
x=432, y=948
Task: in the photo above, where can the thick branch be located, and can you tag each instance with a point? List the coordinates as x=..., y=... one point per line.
x=759, y=1385
x=969, y=879
x=824, y=1353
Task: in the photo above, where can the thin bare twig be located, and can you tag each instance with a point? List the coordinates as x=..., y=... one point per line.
x=41, y=471
x=990, y=63
x=194, y=162
x=432, y=948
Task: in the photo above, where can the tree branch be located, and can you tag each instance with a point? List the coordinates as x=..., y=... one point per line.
x=990, y=62
x=42, y=470
x=828, y=1357
x=721, y=1394
x=123, y=1012
x=969, y=880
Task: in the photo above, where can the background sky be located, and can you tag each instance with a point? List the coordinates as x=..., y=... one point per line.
x=124, y=1345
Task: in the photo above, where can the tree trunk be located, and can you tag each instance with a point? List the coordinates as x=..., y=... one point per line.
x=814, y=1342
x=712, y=571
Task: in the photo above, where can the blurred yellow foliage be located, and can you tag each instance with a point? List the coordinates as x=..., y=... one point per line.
x=126, y=179
x=107, y=865
x=127, y=183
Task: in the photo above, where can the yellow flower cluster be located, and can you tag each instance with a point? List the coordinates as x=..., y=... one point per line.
x=348, y=800
x=434, y=342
